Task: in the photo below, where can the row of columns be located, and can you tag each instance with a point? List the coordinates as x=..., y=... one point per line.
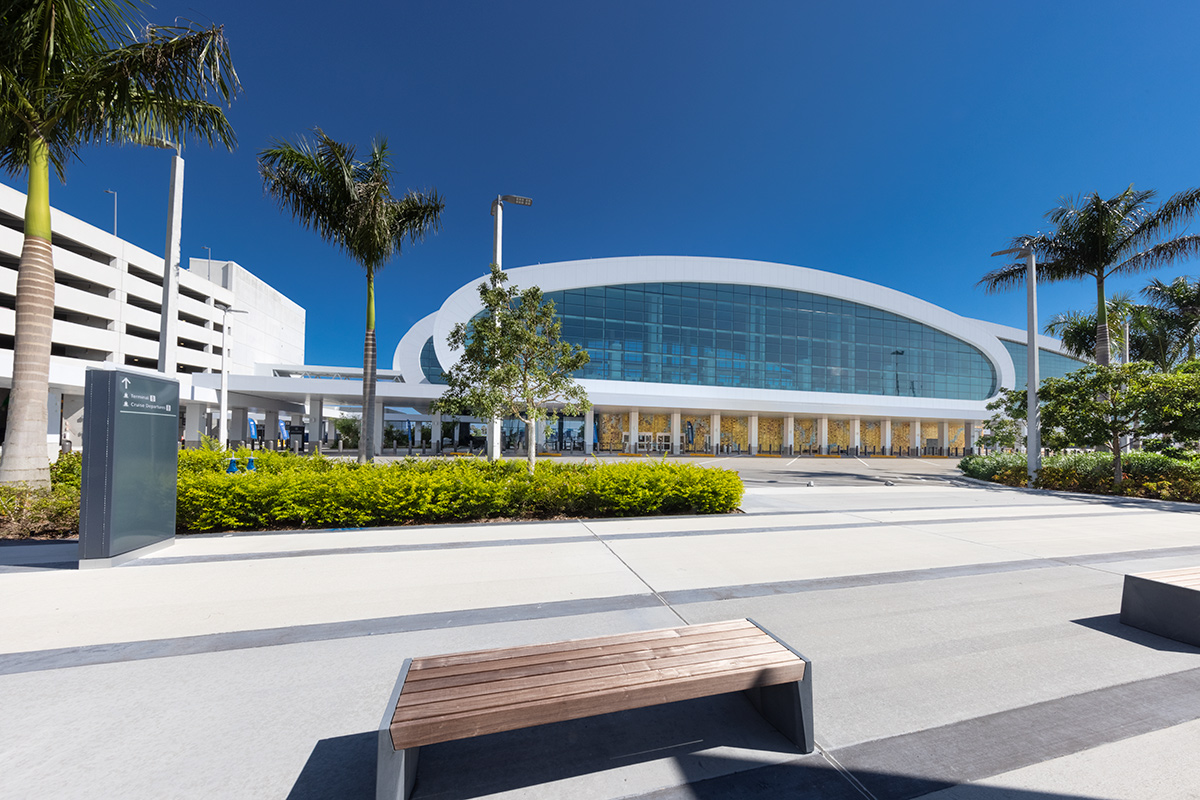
x=970, y=432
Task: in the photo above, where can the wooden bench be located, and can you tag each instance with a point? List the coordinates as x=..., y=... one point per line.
x=1165, y=602
x=457, y=696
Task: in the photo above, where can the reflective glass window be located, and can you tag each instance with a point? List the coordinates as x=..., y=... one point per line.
x=765, y=337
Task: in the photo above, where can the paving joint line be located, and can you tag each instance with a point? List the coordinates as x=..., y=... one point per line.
x=636, y=574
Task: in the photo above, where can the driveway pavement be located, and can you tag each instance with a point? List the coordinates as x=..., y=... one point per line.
x=964, y=639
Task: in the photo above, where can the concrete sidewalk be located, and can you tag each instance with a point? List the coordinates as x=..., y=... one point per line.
x=964, y=639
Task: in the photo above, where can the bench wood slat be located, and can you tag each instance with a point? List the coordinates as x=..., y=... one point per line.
x=1167, y=574
x=474, y=657
x=735, y=676
x=572, y=679
x=591, y=657
x=582, y=649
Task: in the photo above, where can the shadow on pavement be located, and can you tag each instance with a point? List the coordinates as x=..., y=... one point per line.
x=714, y=748
x=1111, y=624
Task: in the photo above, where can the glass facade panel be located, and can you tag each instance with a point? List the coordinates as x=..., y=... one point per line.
x=430, y=365
x=1050, y=364
x=765, y=338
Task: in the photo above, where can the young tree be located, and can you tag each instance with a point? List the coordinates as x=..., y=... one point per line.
x=1094, y=406
x=513, y=361
x=1173, y=405
x=1097, y=238
x=350, y=204
x=1003, y=429
x=72, y=74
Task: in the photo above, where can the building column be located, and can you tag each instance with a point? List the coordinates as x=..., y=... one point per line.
x=943, y=429
x=714, y=428
x=589, y=428
x=633, y=431
x=378, y=427
x=823, y=435
x=915, y=435
x=753, y=434
x=856, y=434
x=968, y=436
x=885, y=436
x=789, y=433
x=316, y=422
x=435, y=434
x=72, y=417
x=676, y=433
x=270, y=429
x=237, y=424
x=193, y=424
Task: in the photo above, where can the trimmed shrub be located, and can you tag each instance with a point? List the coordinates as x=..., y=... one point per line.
x=1144, y=474
x=986, y=468
x=290, y=492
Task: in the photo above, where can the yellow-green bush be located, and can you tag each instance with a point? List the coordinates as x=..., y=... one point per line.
x=287, y=492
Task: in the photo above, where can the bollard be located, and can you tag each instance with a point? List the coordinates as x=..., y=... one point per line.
x=250, y=464
x=232, y=468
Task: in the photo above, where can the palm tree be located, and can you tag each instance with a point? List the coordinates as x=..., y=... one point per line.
x=1180, y=299
x=72, y=74
x=350, y=204
x=1097, y=238
x=1153, y=333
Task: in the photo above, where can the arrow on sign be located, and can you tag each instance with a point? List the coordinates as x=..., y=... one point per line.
x=125, y=382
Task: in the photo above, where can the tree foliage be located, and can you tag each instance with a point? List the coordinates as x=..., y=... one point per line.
x=1096, y=238
x=1003, y=430
x=514, y=362
x=1094, y=407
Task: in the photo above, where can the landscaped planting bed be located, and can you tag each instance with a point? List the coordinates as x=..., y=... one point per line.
x=288, y=492
x=1143, y=474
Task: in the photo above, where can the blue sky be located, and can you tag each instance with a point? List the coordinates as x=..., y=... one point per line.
x=899, y=143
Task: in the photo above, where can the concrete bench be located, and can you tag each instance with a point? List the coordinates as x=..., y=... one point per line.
x=1165, y=602
x=458, y=696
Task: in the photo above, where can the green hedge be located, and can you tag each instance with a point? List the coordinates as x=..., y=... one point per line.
x=1144, y=474
x=290, y=492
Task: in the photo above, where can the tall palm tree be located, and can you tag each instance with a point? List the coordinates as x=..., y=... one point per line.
x=71, y=74
x=1097, y=238
x=1181, y=300
x=350, y=204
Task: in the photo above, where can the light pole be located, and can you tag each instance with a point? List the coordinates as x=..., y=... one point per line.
x=1033, y=427
x=222, y=423
x=497, y=259
x=209, y=249
x=896, y=368
x=114, y=194
x=167, y=342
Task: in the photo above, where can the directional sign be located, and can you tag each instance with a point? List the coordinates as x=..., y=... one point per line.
x=130, y=456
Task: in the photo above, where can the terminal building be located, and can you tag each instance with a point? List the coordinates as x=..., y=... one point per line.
x=723, y=355
x=688, y=354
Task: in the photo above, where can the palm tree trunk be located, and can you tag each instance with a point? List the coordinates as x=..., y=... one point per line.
x=24, y=458
x=366, y=441
x=1103, y=346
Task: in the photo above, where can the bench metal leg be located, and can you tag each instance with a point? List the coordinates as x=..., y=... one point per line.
x=788, y=706
x=1162, y=608
x=395, y=770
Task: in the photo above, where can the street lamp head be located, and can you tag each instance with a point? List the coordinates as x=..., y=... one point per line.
x=516, y=200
